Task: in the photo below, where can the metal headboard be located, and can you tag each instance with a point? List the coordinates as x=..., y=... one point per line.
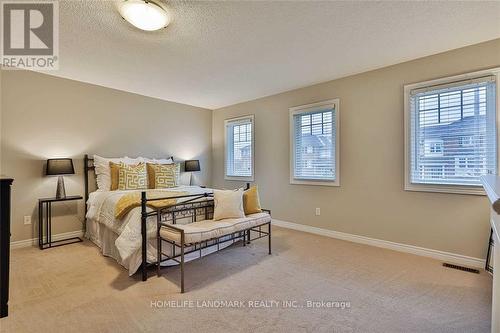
x=88, y=166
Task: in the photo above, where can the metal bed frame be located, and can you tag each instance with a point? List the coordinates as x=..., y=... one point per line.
x=193, y=206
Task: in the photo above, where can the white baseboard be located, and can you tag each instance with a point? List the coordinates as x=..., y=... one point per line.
x=34, y=241
x=420, y=251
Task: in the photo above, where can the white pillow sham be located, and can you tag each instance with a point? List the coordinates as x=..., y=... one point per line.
x=103, y=172
x=169, y=160
x=228, y=204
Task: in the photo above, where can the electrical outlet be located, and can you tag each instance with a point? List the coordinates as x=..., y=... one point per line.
x=27, y=219
x=318, y=211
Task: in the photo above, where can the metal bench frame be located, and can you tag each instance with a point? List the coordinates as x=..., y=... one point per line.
x=193, y=206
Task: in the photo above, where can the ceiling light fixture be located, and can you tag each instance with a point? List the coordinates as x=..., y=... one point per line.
x=144, y=14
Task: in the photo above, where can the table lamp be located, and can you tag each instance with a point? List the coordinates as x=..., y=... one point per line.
x=59, y=167
x=191, y=166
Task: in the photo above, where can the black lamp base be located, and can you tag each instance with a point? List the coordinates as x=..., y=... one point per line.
x=61, y=191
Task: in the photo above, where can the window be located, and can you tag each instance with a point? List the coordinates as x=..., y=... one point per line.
x=239, y=150
x=433, y=147
x=432, y=171
x=451, y=135
x=314, y=144
x=466, y=141
x=462, y=162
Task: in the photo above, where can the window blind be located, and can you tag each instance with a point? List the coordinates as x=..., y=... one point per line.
x=239, y=148
x=314, y=145
x=453, y=133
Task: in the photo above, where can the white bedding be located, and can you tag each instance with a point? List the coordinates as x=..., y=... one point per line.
x=126, y=233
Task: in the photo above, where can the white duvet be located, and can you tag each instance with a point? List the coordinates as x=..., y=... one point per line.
x=101, y=208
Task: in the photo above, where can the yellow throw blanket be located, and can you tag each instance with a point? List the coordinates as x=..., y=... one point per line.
x=133, y=200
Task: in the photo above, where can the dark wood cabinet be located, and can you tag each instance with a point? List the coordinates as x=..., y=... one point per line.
x=5, y=184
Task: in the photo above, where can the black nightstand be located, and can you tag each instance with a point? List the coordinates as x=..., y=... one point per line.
x=45, y=206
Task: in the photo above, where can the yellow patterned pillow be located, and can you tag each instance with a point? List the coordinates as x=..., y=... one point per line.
x=163, y=175
x=114, y=170
x=132, y=177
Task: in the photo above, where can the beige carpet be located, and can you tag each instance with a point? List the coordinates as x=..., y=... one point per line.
x=75, y=289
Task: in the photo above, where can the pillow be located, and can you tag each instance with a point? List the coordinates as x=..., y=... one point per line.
x=163, y=175
x=156, y=161
x=185, y=179
x=251, y=201
x=177, y=174
x=103, y=171
x=114, y=173
x=132, y=177
x=228, y=204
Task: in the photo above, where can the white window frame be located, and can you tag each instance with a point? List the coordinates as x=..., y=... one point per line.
x=232, y=120
x=458, y=189
x=332, y=103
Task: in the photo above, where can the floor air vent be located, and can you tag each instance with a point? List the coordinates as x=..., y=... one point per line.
x=461, y=268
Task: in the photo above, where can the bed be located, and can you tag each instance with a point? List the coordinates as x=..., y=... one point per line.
x=122, y=239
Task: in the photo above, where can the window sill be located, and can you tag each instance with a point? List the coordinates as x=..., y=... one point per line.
x=241, y=179
x=315, y=182
x=470, y=190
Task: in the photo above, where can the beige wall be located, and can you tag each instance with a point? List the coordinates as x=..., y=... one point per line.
x=371, y=201
x=45, y=116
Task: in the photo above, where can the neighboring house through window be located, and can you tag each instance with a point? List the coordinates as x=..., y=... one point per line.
x=433, y=147
x=466, y=141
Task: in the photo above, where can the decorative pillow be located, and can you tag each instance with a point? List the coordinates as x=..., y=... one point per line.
x=132, y=177
x=163, y=175
x=114, y=173
x=228, y=204
x=251, y=201
x=103, y=171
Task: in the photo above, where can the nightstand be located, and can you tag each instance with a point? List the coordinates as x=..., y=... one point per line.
x=45, y=223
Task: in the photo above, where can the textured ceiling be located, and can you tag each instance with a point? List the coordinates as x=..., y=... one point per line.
x=215, y=54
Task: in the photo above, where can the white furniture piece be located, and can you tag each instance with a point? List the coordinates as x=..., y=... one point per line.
x=491, y=184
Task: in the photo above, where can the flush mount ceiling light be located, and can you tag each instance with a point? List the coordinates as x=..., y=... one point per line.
x=144, y=14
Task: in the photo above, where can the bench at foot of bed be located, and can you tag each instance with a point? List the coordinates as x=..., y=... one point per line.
x=206, y=233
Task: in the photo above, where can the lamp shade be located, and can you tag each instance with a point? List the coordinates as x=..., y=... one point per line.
x=192, y=165
x=59, y=166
